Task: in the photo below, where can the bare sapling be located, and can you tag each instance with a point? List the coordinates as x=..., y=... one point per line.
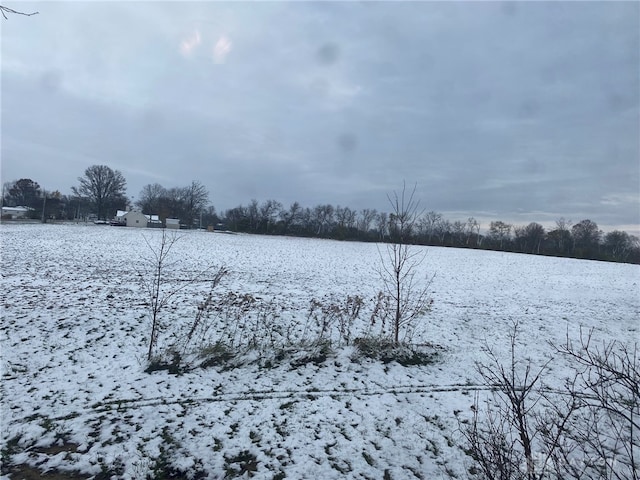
x=587, y=429
x=605, y=432
x=401, y=261
x=160, y=288
x=502, y=436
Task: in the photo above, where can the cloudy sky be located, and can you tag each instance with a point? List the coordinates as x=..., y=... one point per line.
x=503, y=111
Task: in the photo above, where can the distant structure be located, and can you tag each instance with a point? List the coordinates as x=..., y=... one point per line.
x=137, y=219
x=15, y=213
x=172, y=223
x=153, y=221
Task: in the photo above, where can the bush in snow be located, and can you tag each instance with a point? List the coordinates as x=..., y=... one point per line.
x=590, y=429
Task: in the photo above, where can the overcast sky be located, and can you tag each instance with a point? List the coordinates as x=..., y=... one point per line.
x=502, y=111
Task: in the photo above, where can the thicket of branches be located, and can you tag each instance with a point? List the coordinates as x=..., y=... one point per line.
x=590, y=429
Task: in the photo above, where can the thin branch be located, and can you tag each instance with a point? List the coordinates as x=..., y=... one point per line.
x=6, y=10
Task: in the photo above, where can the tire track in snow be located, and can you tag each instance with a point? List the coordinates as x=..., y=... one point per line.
x=255, y=395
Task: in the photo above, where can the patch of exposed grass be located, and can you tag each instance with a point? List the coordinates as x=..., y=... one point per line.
x=240, y=464
x=386, y=350
x=216, y=354
x=368, y=458
x=174, y=366
x=10, y=448
x=287, y=405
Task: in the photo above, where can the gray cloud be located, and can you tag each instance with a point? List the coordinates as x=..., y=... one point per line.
x=518, y=112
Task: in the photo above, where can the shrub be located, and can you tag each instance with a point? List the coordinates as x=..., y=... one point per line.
x=588, y=430
x=386, y=350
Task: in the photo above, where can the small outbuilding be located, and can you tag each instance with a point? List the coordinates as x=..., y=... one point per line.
x=172, y=223
x=136, y=219
x=153, y=221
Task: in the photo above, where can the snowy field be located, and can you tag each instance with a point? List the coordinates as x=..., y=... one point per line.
x=75, y=327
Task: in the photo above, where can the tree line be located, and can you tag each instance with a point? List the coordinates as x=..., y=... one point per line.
x=580, y=240
x=101, y=191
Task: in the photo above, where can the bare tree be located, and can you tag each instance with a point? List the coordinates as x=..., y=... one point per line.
x=471, y=227
x=606, y=430
x=150, y=198
x=442, y=228
x=534, y=234
x=504, y=437
x=290, y=217
x=500, y=232
x=345, y=221
x=382, y=225
x=268, y=213
x=24, y=192
x=195, y=198
x=586, y=237
x=253, y=214
x=5, y=189
x=520, y=238
x=561, y=236
x=367, y=216
x=619, y=245
x=401, y=261
x=236, y=218
x=428, y=223
x=323, y=218
x=157, y=284
x=104, y=187
x=477, y=226
x=590, y=429
x=457, y=232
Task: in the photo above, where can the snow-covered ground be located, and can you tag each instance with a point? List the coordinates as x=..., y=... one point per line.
x=75, y=328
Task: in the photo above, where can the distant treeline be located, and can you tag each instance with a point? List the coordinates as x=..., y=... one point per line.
x=581, y=240
x=190, y=204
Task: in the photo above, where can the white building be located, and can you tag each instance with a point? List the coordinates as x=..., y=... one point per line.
x=154, y=221
x=16, y=212
x=136, y=219
x=132, y=218
x=172, y=223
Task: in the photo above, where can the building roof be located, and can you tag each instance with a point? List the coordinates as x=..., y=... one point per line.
x=123, y=213
x=16, y=209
